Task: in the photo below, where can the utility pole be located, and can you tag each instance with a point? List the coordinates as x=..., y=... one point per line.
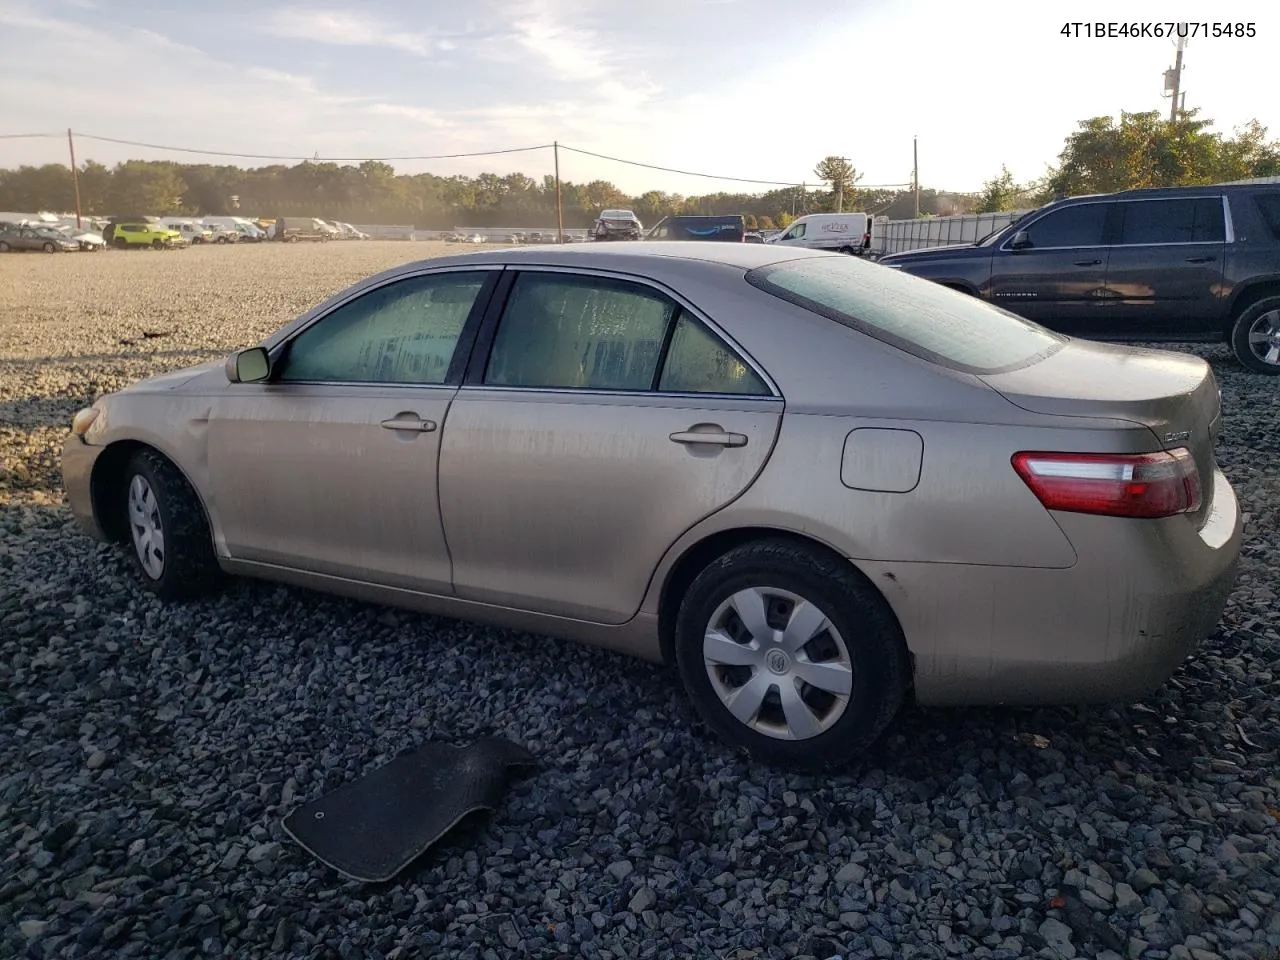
x=915, y=172
x=75, y=176
x=559, y=209
x=840, y=189
x=1173, y=79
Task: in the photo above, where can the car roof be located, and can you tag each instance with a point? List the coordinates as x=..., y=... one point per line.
x=634, y=256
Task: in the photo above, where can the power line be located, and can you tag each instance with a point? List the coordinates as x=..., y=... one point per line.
x=442, y=156
x=716, y=176
x=687, y=173
x=329, y=159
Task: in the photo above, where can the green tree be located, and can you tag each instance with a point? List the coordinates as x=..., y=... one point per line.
x=139, y=187
x=999, y=193
x=840, y=173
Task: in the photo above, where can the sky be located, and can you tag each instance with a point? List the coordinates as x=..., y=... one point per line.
x=751, y=89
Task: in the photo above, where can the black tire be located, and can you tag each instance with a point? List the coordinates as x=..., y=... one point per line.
x=49, y=247
x=4, y=247
x=222, y=240
x=190, y=567
x=1241, y=328
x=121, y=243
x=877, y=652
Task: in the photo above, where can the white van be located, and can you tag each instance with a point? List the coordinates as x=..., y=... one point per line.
x=191, y=231
x=843, y=232
x=244, y=227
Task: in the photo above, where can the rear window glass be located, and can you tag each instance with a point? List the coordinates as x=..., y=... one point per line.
x=1269, y=207
x=919, y=316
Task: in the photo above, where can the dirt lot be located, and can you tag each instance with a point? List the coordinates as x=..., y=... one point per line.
x=150, y=750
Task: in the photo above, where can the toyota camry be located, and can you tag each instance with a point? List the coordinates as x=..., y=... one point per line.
x=815, y=486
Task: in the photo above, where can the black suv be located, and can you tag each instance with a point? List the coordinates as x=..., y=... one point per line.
x=1180, y=264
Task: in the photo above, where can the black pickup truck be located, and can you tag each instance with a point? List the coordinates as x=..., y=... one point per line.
x=1173, y=264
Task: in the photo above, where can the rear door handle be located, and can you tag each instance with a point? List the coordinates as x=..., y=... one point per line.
x=1201, y=259
x=416, y=426
x=720, y=439
x=1088, y=263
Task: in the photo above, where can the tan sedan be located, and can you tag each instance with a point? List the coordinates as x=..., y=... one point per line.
x=814, y=484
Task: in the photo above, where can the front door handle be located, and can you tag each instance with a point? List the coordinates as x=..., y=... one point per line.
x=1201, y=259
x=1088, y=263
x=416, y=426
x=719, y=439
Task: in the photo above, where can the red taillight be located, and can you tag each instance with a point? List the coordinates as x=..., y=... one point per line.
x=1116, y=485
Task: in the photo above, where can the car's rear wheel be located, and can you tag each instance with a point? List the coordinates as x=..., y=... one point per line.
x=1255, y=336
x=172, y=548
x=789, y=653
x=121, y=243
x=4, y=247
x=222, y=240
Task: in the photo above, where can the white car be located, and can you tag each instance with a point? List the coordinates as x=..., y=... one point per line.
x=88, y=239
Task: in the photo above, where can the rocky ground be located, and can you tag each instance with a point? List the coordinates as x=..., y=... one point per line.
x=149, y=752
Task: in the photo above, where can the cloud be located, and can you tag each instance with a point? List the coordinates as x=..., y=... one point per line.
x=340, y=28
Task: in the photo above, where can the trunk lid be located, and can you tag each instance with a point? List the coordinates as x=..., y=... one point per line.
x=1174, y=395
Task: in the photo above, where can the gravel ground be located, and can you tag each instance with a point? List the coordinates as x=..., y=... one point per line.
x=150, y=751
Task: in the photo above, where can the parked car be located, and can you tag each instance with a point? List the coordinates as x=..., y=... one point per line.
x=108, y=231
x=350, y=233
x=47, y=239
x=617, y=225
x=815, y=485
x=155, y=235
x=87, y=239
x=842, y=232
x=729, y=227
x=293, y=229
x=245, y=229
x=192, y=231
x=1175, y=264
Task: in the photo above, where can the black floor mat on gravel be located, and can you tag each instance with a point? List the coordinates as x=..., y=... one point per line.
x=374, y=827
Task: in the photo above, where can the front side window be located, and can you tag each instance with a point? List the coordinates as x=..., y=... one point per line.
x=1190, y=220
x=915, y=315
x=1083, y=225
x=404, y=332
x=796, y=232
x=562, y=331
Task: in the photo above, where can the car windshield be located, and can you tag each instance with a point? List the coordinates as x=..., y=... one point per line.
x=918, y=316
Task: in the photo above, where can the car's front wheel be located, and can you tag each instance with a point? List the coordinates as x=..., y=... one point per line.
x=789, y=653
x=49, y=247
x=172, y=547
x=4, y=247
x=1255, y=336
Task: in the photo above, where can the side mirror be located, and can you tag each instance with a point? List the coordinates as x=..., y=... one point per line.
x=1020, y=241
x=248, y=366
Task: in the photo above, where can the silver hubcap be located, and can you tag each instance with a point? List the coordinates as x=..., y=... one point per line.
x=1264, y=337
x=777, y=663
x=144, y=524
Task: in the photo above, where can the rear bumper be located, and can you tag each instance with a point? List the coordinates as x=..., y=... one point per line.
x=78, y=459
x=1115, y=626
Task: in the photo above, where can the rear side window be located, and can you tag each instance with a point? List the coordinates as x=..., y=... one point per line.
x=918, y=316
x=1083, y=225
x=1190, y=220
x=1269, y=207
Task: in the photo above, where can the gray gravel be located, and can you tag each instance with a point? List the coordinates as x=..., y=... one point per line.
x=149, y=751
